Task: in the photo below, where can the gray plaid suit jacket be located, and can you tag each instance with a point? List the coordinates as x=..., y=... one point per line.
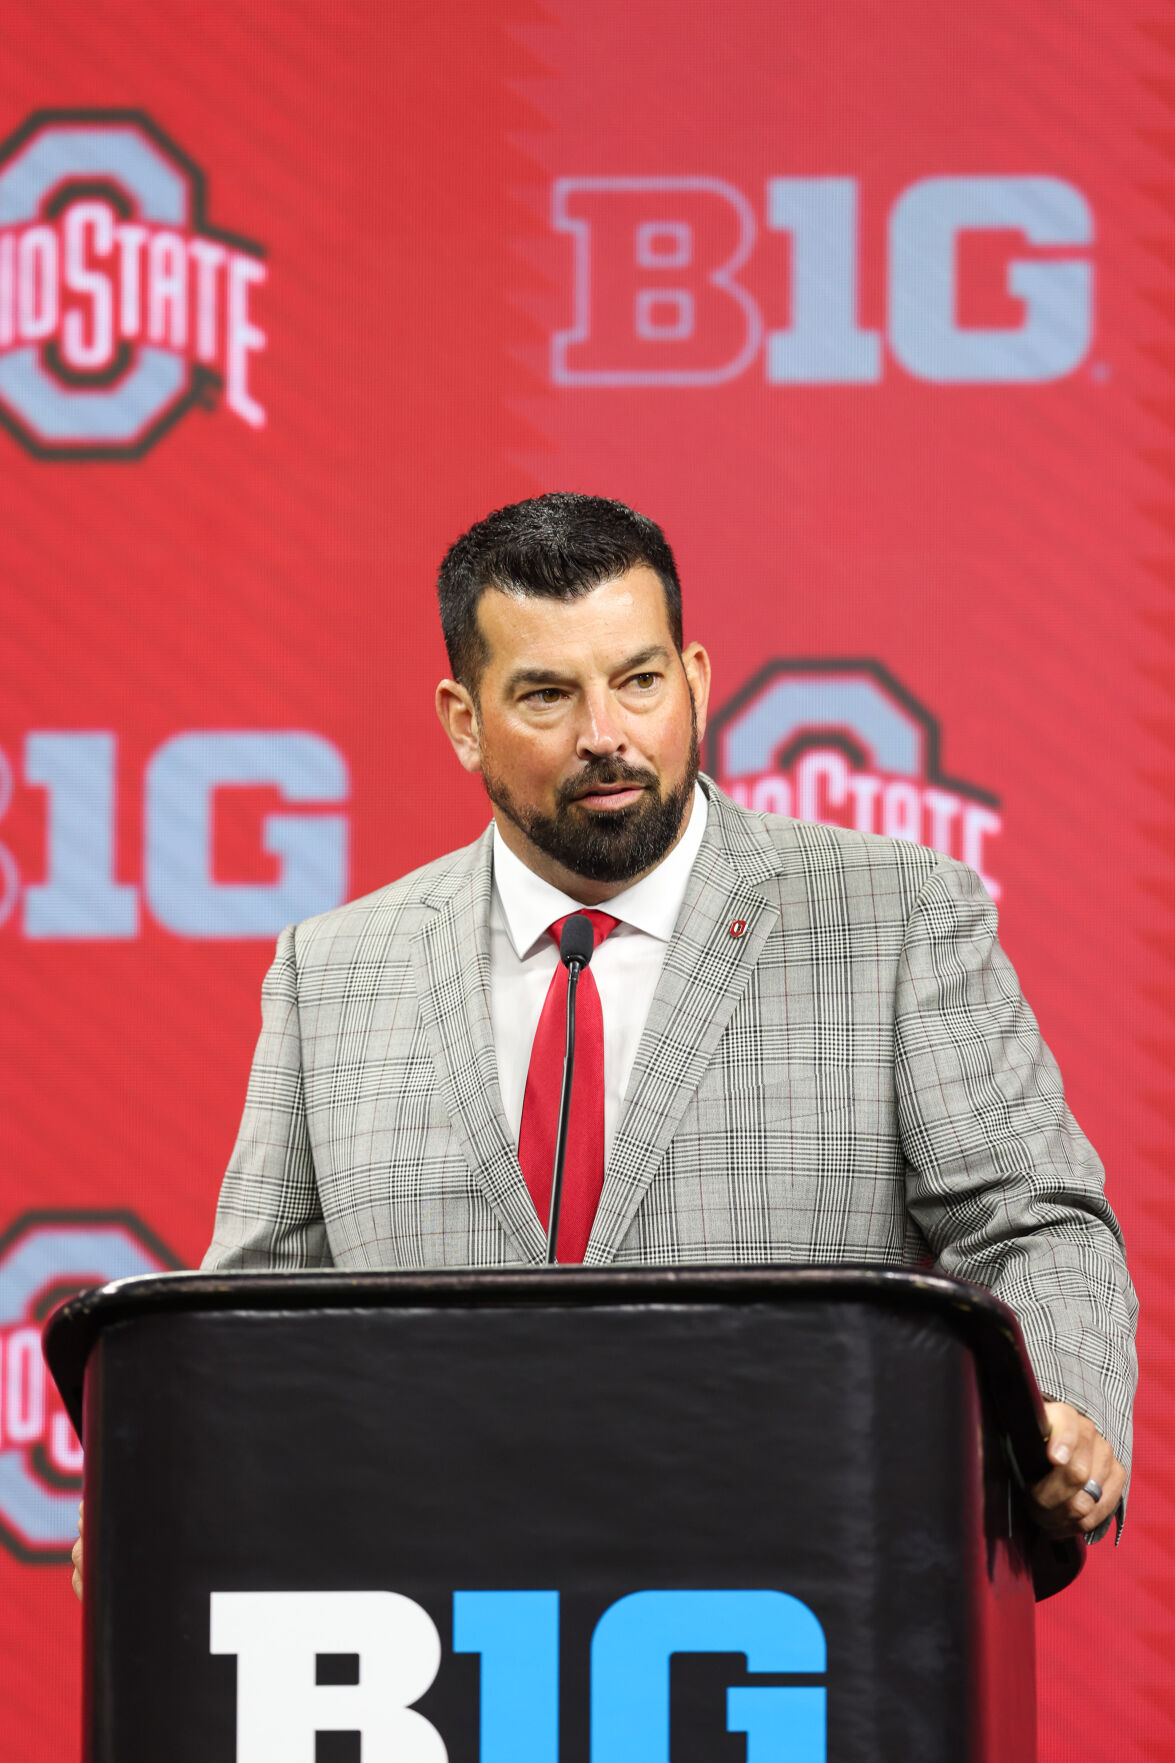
x=856, y=1079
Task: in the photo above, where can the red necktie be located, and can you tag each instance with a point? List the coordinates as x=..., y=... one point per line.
x=583, y=1171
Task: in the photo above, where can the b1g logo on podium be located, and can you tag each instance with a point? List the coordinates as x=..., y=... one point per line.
x=843, y=743
x=312, y=1663
x=121, y=306
x=45, y=1257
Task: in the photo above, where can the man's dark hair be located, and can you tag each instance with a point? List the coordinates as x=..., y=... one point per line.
x=560, y=546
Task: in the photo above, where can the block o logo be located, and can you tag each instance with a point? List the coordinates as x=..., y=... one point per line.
x=120, y=306
x=45, y=1257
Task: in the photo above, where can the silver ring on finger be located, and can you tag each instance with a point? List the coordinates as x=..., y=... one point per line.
x=1094, y=1490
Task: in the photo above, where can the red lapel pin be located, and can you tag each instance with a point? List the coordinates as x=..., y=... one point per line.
x=738, y=927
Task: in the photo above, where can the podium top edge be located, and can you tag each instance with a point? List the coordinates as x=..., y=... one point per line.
x=576, y=1286
x=75, y=1327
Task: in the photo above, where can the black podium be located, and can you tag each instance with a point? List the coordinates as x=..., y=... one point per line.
x=566, y=1517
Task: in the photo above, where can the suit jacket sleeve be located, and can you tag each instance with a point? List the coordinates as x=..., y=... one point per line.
x=1001, y=1180
x=269, y=1214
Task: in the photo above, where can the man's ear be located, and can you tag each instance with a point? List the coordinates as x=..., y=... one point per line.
x=696, y=663
x=458, y=713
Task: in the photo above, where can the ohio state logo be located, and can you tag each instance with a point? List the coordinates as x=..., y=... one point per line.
x=121, y=307
x=45, y=1257
x=843, y=743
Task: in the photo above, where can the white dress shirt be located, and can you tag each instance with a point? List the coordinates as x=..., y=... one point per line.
x=626, y=966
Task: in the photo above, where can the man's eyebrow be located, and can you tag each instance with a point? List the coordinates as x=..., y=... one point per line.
x=534, y=676
x=549, y=676
x=657, y=652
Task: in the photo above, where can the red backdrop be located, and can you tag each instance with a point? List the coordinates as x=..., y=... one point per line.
x=868, y=305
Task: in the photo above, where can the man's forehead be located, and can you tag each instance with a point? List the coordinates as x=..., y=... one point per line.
x=625, y=613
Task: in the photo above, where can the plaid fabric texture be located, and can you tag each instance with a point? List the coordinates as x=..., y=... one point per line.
x=855, y=1079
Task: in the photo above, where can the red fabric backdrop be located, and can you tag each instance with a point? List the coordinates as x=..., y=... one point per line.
x=399, y=265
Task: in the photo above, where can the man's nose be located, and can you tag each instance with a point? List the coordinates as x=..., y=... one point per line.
x=600, y=731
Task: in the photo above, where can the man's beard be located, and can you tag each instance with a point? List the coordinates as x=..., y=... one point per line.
x=605, y=844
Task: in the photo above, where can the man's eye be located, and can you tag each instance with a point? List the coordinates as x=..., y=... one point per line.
x=545, y=695
x=644, y=682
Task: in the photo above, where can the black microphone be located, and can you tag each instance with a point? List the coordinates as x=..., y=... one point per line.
x=577, y=944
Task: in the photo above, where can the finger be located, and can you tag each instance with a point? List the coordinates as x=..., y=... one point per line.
x=1080, y=1466
x=1062, y=1510
x=1072, y=1447
x=1101, y=1467
x=1061, y=1505
x=77, y=1582
x=1106, y=1507
x=1064, y=1426
x=1065, y=1481
x=1112, y=1480
x=1083, y=1454
x=1100, y=1463
x=1054, y=1492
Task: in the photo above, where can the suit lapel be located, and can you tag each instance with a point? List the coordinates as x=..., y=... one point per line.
x=451, y=952
x=707, y=969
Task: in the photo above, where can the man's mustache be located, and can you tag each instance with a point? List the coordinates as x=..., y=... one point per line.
x=604, y=771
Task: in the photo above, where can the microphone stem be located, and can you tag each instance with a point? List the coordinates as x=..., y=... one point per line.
x=573, y=972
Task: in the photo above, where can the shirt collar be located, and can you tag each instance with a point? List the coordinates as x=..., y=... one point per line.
x=530, y=904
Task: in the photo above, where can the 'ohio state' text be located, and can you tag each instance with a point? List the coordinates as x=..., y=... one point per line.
x=90, y=286
x=822, y=786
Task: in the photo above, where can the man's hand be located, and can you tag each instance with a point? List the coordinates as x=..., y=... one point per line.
x=77, y=1554
x=1079, y=1454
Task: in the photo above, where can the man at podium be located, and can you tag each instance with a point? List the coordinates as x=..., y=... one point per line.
x=796, y=1043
